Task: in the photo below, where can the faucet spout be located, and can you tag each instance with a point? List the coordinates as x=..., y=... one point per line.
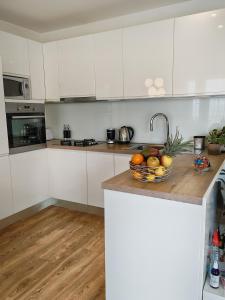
x=167, y=124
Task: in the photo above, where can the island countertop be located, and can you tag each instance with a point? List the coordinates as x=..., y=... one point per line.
x=183, y=185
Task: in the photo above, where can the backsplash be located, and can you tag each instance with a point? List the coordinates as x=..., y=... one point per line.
x=90, y=120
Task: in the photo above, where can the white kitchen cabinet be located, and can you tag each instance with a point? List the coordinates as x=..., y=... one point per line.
x=121, y=163
x=51, y=70
x=100, y=167
x=199, y=63
x=36, y=70
x=29, y=178
x=14, y=53
x=6, y=204
x=76, y=67
x=4, y=147
x=67, y=175
x=148, y=59
x=108, y=51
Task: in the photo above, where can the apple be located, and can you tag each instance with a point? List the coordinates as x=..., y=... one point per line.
x=166, y=161
x=153, y=161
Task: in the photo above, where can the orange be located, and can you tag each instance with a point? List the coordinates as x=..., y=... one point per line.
x=137, y=159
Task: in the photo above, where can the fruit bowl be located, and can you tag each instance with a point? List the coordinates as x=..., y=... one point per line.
x=149, y=174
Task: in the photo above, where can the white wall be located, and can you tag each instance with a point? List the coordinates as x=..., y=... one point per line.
x=192, y=116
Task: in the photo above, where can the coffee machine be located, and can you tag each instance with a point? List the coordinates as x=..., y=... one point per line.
x=111, y=135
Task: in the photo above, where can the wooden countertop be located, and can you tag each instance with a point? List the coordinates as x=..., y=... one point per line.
x=101, y=147
x=183, y=185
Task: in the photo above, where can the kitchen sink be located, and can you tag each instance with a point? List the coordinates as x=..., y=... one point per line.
x=142, y=147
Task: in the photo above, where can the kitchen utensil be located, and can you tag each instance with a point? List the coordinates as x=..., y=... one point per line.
x=111, y=134
x=126, y=134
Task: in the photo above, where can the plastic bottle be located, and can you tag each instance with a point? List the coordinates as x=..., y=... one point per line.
x=215, y=275
x=215, y=247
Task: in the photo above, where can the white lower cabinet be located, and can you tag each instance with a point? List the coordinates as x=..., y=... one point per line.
x=100, y=167
x=29, y=178
x=121, y=162
x=6, y=204
x=67, y=175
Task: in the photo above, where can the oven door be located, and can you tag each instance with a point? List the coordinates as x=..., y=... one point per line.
x=26, y=132
x=16, y=88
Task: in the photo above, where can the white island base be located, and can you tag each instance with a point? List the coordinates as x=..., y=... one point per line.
x=156, y=249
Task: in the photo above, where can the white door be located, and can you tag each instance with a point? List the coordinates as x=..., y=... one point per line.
x=100, y=167
x=76, y=67
x=6, y=204
x=108, y=51
x=51, y=70
x=14, y=53
x=4, y=147
x=121, y=163
x=148, y=59
x=36, y=70
x=199, y=61
x=29, y=178
x=67, y=175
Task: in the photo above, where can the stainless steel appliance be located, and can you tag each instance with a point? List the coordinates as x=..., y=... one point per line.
x=26, y=127
x=199, y=142
x=126, y=134
x=17, y=88
x=111, y=135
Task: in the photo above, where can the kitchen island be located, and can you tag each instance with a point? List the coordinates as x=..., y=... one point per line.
x=157, y=234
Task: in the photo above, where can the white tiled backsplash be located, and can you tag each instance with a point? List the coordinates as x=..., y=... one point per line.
x=90, y=120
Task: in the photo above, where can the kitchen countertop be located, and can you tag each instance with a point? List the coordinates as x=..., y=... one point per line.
x=101, y=147
x=183, y=185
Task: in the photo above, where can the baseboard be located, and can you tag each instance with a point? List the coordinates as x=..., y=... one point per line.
x=30, y=211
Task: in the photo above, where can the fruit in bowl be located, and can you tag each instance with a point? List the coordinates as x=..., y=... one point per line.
x=153, y=165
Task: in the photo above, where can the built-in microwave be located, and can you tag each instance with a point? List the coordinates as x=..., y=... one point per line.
x=17, y=88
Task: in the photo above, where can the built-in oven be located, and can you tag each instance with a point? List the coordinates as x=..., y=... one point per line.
x=17, y=88
x=26, y=127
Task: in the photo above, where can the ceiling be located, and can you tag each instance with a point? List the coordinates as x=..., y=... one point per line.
x=48, y=15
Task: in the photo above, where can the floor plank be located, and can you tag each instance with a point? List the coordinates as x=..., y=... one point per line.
x=56, y=254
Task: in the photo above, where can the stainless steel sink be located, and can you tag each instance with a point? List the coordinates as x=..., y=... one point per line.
x=142, y=147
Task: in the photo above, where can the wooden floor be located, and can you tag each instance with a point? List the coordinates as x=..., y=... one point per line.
x=56, y=254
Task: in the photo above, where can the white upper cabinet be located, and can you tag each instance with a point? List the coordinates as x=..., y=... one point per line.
x=36, y=70
x=108, y=50
x=51, y=70
x=14, y=53
x=199, y=59
x=76, y=67
x=148, y=59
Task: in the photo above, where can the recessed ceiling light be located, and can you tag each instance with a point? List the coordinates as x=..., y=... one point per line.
x=220, y=26
x=213, y=15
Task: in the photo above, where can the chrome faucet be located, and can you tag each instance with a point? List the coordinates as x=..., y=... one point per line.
x=167, y=123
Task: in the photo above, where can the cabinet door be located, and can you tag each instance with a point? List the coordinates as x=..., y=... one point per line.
x=29, y=178
x=14, y=53
x=76, y=67
x=36, y=70
x=121, y=163
x=100, y=167
x=67, y=175
x=108, y=64
x=199, y=62
x=148, y=59
x=4, y=148
x=6, y=204
x=51, y=69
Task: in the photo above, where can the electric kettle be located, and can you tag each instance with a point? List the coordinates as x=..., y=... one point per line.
x=126, y=134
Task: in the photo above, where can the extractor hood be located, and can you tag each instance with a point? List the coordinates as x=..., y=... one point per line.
x=78, y=99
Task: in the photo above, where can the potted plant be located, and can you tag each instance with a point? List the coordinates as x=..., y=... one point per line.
x=216, y=139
